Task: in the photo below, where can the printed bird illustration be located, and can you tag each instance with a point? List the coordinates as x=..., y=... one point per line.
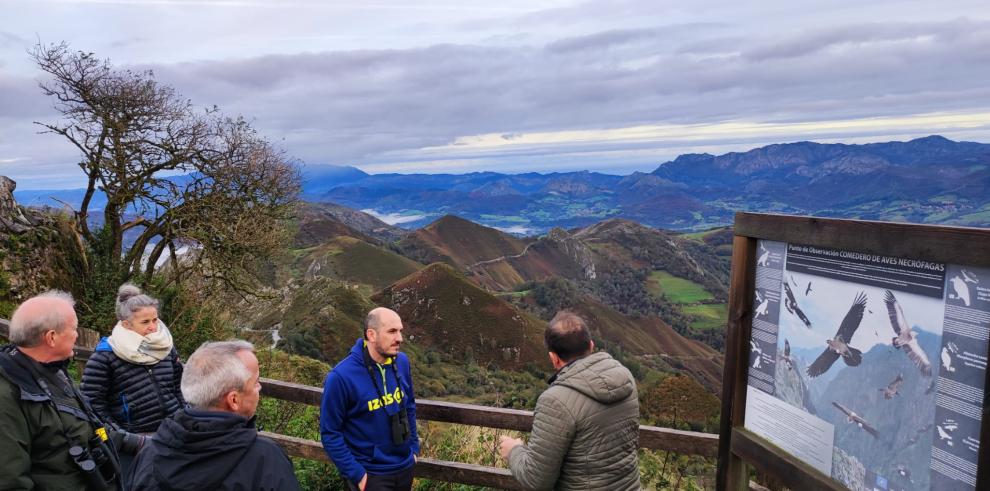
x=807, y=290
x=947, y=360
x=969, y=277
x=906, y=339
x=891, y=390
x=759, y=353
x=761, y=309
x=839, y=345
x=788, y=360
x=790, y=303
x=852, y=417
x=961, y=289
x=944, y=435
x=764, y=258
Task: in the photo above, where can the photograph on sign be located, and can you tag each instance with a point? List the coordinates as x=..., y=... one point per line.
x=869, y=368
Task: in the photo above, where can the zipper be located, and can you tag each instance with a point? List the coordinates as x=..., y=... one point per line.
x=158, y=392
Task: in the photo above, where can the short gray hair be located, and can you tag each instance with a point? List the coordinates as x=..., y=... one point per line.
x=212, y=371
x=131, y=299
x=29, y=331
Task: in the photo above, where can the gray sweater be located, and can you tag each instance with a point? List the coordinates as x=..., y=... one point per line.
x=585, y=430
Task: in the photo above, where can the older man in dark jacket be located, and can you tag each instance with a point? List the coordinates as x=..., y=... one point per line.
x=51, y=438
x=213, y=444
x=586, y=425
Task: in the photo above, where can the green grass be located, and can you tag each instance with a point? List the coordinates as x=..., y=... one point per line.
x=707, y=316
x=512, y=294
x=677, y=290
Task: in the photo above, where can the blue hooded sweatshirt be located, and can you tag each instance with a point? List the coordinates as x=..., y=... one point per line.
x=355, y=416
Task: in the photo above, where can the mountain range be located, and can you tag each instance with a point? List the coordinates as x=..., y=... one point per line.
x=926, y=180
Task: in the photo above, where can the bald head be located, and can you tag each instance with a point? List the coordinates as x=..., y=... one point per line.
x=568, y=336
x=378, y=318
x=50, y=311
x=383, y=334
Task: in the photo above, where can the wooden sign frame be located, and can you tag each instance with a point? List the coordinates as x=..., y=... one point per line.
x=739, y=447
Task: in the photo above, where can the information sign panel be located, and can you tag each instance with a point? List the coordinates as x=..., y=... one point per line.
x=869, y=368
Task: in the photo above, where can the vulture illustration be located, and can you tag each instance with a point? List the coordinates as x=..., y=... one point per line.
x=807, y=290
x=947, y=360
x=764, y=259
x=891, y=390
x=969, y=277
x=764, y=304
x=944, y=435
x=790, y=303
x=961, y=289
x=788, y=360
x=839, y=345
x=906, y=339
x=852, y=417
x=759, y=353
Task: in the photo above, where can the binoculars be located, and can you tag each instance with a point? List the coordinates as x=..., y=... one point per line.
x=96, y=463
x=400, y=427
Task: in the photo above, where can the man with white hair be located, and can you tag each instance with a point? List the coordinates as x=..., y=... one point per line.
x=213, y=444
x=50, y=436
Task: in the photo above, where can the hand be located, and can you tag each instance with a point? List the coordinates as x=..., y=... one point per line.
x=506, y=444
x=364, y=482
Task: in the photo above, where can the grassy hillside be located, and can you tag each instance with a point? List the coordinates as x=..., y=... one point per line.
x=349, y=259
x=319, y=318
x=459, y=242
x=676, y=290
x=651, y=337
x=707, y=316
x=442, y=309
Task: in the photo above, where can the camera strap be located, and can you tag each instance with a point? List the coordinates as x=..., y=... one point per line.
x=62, y=378
x=372, y=365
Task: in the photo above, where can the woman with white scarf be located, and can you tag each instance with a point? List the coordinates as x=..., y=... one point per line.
x=133, y=376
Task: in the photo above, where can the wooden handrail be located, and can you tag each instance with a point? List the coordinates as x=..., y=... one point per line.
x=650, y=437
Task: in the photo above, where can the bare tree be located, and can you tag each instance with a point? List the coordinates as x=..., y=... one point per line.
x=173, y=175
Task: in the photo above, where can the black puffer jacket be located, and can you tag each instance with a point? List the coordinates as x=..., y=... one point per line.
x=136, y=397
x=195, y=450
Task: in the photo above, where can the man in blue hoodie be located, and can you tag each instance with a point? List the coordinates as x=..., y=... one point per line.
x=368, y=414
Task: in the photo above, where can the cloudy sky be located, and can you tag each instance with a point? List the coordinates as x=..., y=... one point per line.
x=514, y=86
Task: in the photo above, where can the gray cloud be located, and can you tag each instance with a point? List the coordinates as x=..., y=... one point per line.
x=362, y=103
x=576, y=70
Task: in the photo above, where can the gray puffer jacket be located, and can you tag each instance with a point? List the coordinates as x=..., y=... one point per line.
x=585, y=430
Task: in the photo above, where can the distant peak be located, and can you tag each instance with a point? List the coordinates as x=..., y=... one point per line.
x=449, y=220
x=932, y=139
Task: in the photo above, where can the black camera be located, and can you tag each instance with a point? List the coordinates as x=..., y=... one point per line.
x=104, y=459
x=84, y=461
x=400, y=427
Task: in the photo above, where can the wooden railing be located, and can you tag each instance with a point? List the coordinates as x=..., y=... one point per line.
x=650, y=437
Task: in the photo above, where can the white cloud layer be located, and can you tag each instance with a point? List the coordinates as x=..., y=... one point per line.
x=455, y=86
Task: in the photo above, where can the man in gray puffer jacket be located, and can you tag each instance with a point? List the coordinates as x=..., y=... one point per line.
x=586, y=425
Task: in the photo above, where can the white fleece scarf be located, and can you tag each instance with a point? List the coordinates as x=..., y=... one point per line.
x=138, y=349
